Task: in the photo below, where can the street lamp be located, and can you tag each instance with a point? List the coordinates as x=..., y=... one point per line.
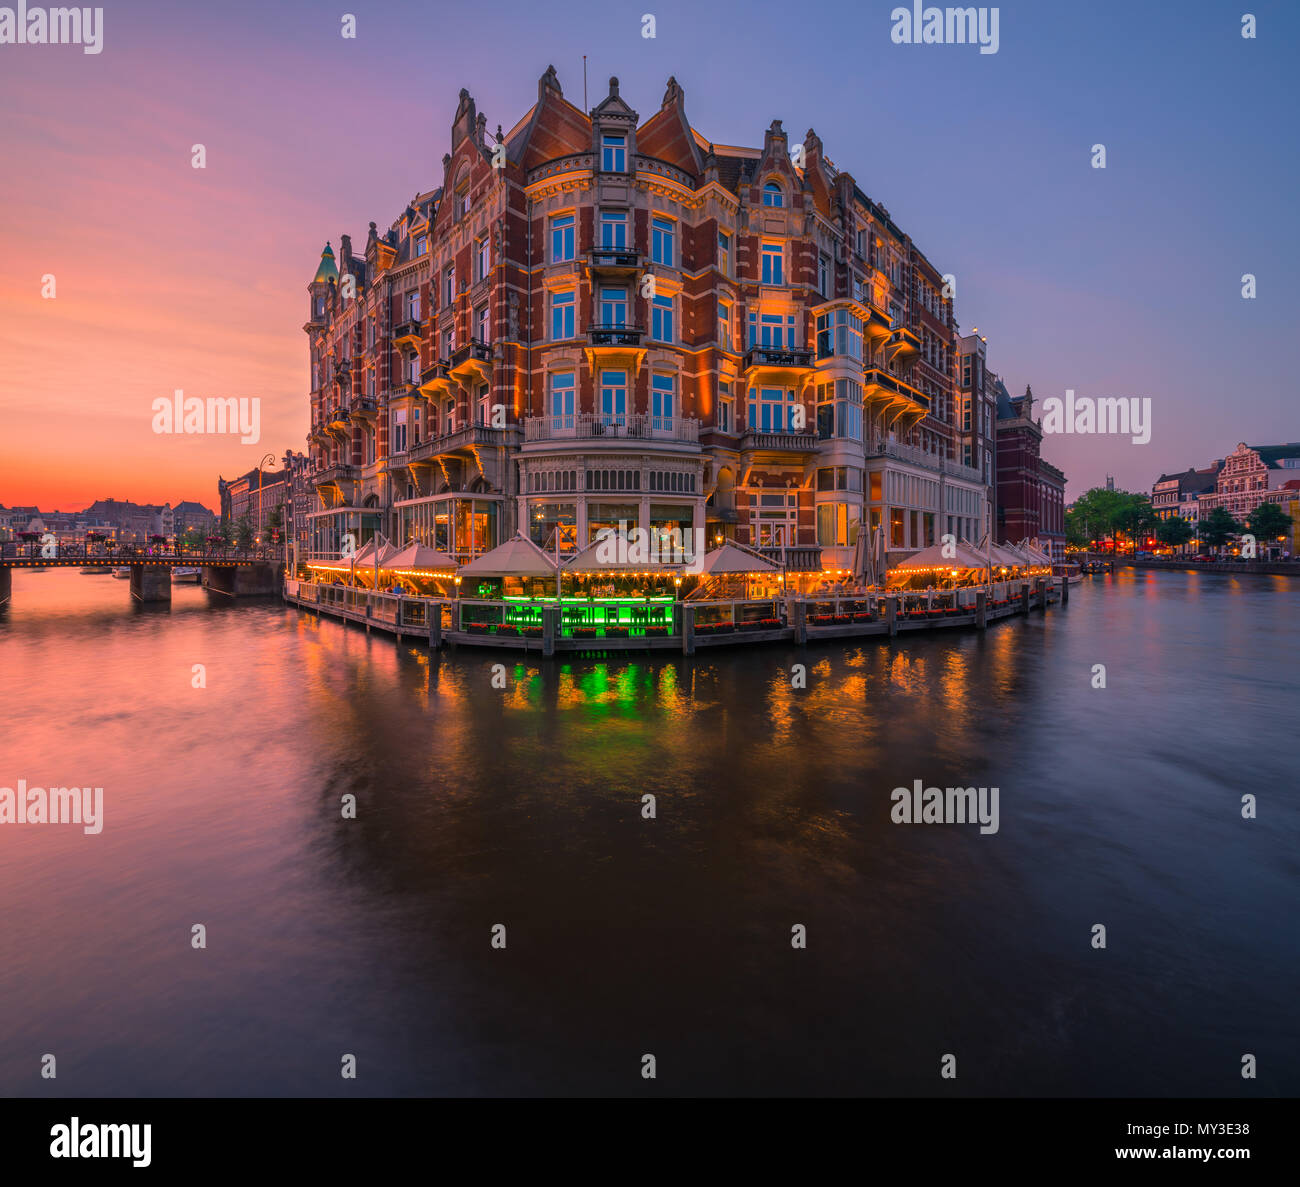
x=270, y=457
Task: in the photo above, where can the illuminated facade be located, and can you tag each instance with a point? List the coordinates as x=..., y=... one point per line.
x=598, y=319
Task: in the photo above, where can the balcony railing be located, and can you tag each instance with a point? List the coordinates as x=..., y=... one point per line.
x=407, y=333
x=343, y=472
x=604, y=335
x=632, y=426
x=614, y=259
x=795, y=558
x=461, y=437
x=775, y=356
x=472, y=351
x=877, y=377
x=920, y=457
x=780, y=442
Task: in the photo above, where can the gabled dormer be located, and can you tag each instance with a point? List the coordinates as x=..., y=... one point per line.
x=775, y=180
x=613, y=133
x=667, y=135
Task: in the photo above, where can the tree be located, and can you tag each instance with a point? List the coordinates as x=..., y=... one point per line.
x=226, y=532
x=1267, y=522
x=1218, y=528
x=1093, y=516
x=1174, y=531
x=275, y=521
x=244, y=533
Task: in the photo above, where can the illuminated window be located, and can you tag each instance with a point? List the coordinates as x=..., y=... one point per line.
x=773, y=264
x=613, y=154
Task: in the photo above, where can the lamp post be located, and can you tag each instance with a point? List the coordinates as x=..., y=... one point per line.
x=270, y=457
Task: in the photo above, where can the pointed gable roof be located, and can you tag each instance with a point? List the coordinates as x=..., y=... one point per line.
x=553, y=128
x=667, y=135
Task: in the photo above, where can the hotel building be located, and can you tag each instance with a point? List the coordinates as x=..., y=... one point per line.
x=597, y=318
x=1030, y=490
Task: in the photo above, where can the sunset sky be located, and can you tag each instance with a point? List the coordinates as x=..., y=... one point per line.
x=1117, y=282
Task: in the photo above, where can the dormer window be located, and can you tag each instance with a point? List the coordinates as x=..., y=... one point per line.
x=422, y=245
x=773, y=195
x=461, y=207
x=613, y=154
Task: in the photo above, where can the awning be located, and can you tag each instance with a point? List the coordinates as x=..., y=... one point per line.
x=421, y=559
x=603, y=553
x=933, y=559
x=732, y=559
x=517, y=557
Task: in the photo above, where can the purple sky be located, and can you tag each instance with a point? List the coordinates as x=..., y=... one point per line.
x=1117, y=282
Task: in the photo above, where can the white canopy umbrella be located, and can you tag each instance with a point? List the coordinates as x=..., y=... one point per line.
x=420, y=558
x=731, y=558
x=603, y=553
x=936, y=558
x=517, y=557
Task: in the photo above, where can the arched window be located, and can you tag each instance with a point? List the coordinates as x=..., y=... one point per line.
x=461, y=208
x=773, y=195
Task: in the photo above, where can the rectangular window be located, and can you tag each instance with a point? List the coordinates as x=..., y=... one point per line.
x=449, y=286
x=484, y=324
x=772, y=330
x=613, y=307
x=482, y=257
x=724, y=253
x=661, y=402
x=413, y=369
x=770, y=410
x=422, y=245
x=561, y=238
x=413, y=306
x=613, y=154
x=562, y=389
x=613, y=397
x=448, y=343
x=613, y=228
x=399, y=431
x=824, y=275
x=661, y=319
x=562, y=323
x=773, y=264
x=661, y=240
x=724, y=325
x=726, y=408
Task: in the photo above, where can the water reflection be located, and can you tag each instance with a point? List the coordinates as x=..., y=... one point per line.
x=524, y=806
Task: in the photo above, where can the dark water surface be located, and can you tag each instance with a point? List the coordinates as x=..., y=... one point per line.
x=670, y=936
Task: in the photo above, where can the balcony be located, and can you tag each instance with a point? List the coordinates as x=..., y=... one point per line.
x=880, y=389
x=902, y=345
x=471, y=361
x=613, y=261
x=364, y=408
x=778, y=443
x=435, y=379
x=407, y=334
x=635, y=427
x=617, y=335
x=468, y=437
x=338, y=420
x=333, y=475
x=775, y=364
x=919, y=457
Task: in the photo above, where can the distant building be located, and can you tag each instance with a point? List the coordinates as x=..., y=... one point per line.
x=977, y=413
x=1254, y=474
x=1030, y=491
x=255, y=495
x=1180, y=494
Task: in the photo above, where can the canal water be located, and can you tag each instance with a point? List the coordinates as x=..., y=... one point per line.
x=625, y=936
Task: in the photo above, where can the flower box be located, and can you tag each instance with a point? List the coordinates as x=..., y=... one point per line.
x=657, y=631
x=478, y=628
x=584, y=632
x=862, y=616
x=616, y=632
x=532, y=632
x=507, y=628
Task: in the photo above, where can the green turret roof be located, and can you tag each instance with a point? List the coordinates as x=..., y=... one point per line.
x=328, y=270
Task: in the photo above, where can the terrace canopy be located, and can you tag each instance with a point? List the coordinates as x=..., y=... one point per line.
x=729, y=560
x=934, y=559
x=517, y=557
x=419, y=560
x=1036, y=556
x=601, y=558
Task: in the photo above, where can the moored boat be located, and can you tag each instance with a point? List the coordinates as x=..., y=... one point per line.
x=97, y=569
x=122, y=572
x=187, y=573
